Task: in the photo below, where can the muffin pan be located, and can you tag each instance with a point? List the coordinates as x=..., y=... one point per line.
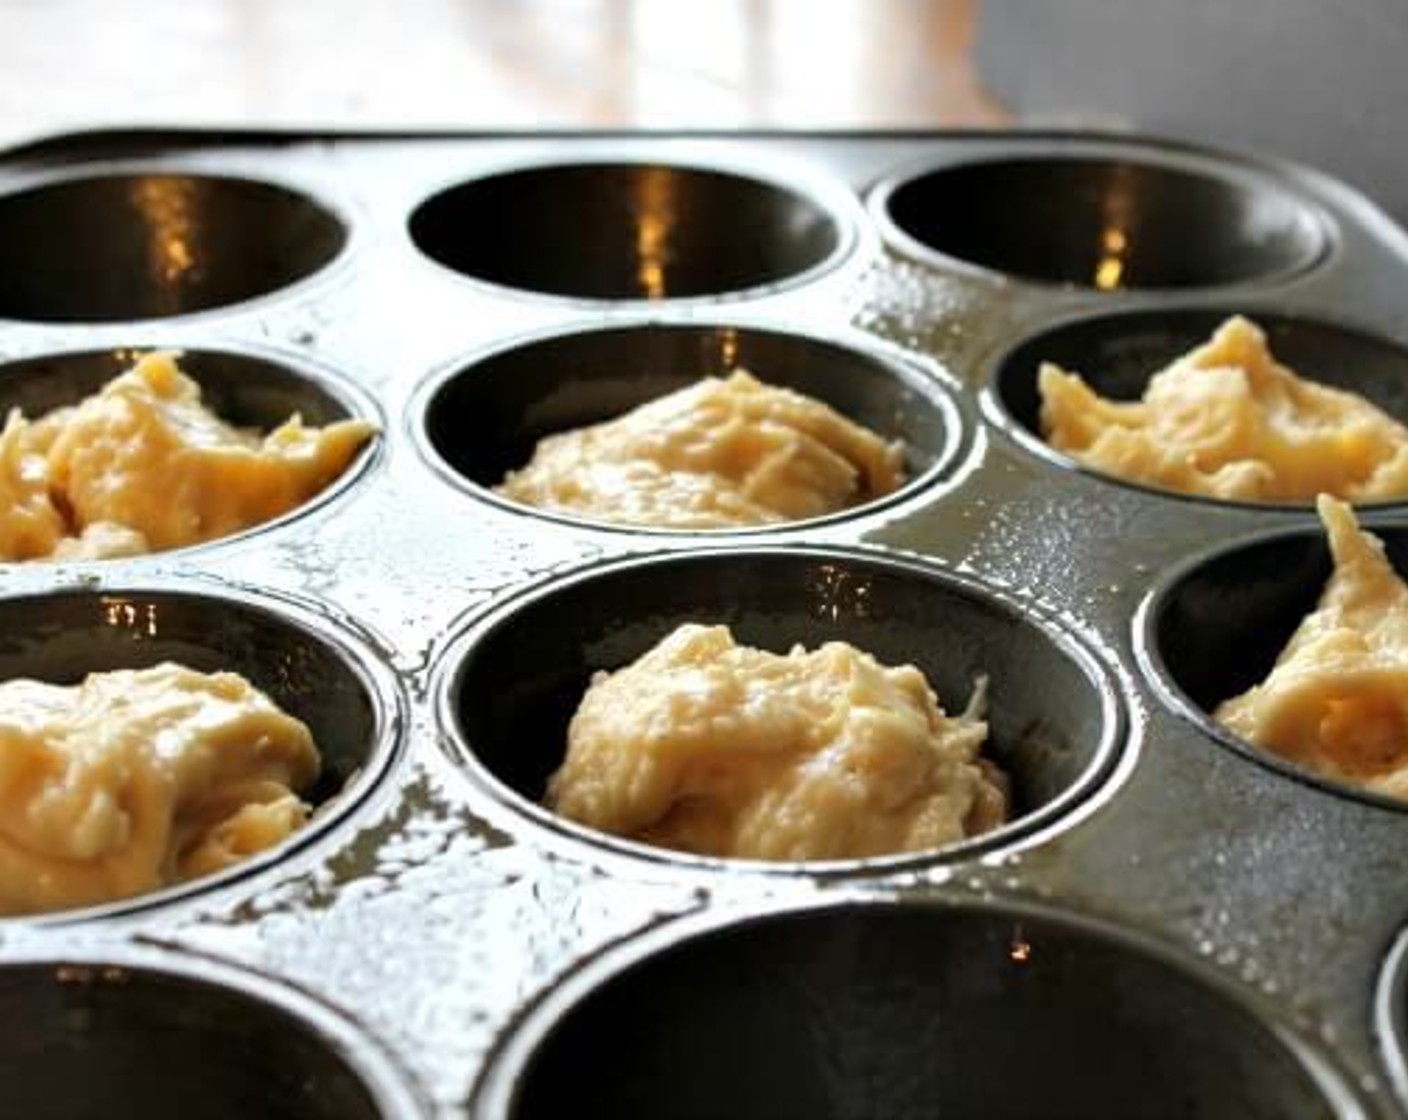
x=1172, y=925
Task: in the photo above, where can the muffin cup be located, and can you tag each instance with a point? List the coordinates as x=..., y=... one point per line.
x=312, y=668
x=141, y=1032
x=919, y=1009
x=477, y=421
x=245, y=387
x=658, y=231
x=1116, y=354
x=1104, y=218
x=1214, y=627
x=129, y=244
x=508, y=685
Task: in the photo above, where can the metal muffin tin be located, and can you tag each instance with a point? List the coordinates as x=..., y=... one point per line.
x=1172, y=925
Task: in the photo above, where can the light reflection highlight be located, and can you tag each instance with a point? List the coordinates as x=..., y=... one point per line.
x=840, y=593
x=1110, y=271
x=656, y=218
x=728, y=349
x=1119, y=203
x=123, y=614
x=167, y=207
x=86, y=974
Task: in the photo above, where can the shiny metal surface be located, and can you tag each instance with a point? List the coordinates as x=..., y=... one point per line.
x=435, y=909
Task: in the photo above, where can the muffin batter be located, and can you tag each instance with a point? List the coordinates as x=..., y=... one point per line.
x=1336, y=701
x=719, y=453
x=142, y=466
x=1227, y=421
x=136, y=779
x=705, y=746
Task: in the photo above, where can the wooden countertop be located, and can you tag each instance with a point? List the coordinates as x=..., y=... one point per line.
x=1314, y=82
x=69, y=64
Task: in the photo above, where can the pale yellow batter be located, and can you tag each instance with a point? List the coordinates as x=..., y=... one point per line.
x=142, y=466
x=705, y=746
x=720, y=453
x=1228, y=421
x=1336, y=701
x=136, y=779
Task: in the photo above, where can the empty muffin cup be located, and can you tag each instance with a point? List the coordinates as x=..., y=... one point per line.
x=509, y=684
x=480, y=420
x=963, y=1011
x=313, y=669
x=250, y=389
x=164, y=1037
x=1215, y=627
x=1117, y=354
x=1105, y=221
x=146, y=244
x=628, y=231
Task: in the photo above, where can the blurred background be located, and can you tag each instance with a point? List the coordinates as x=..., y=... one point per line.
x=1321, y=82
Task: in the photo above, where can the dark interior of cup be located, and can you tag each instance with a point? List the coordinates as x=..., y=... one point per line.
x=486, y=418
x=1218, y=629
x=1106, y=223
x=139, y=246
x=245, y=390
x=61, y=636
x=966, y=1014
x=1117, y=354
x=86, y=1041
x=1051, y=719
x=617, y=231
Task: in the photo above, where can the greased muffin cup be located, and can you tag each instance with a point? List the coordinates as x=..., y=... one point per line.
x=1171, y=924
x=480, y=419
x=864, y=1008
x=313, y=666
x=171, y=1034
x=134, y=243
x=513, y=679
x=248, y=387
